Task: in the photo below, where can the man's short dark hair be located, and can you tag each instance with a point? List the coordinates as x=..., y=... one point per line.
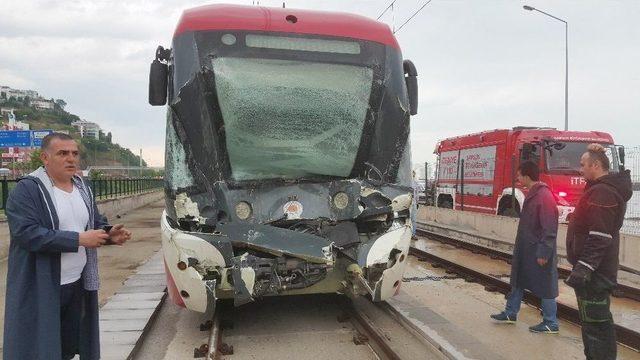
x=46, y=141
x=530, y=169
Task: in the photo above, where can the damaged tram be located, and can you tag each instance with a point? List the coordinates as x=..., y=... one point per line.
x=287, y=155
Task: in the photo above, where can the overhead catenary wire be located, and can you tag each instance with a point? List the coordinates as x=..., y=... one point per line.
x=385, y=9
x=412, y=16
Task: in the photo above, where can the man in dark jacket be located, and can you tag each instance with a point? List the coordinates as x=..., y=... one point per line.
x=51, y=309
x=534, y=265
x=593, y=240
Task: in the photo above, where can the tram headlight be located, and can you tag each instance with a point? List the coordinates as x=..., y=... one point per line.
x=341, y=200
x=243, y=210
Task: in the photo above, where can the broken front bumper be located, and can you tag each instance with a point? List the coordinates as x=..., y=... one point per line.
x=246, y=262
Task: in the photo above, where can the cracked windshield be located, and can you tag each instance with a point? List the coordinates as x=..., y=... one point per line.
x=568, y=158
x=291, y=119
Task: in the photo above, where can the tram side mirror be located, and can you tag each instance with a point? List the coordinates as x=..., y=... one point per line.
x=411, y=80
x=158, y=75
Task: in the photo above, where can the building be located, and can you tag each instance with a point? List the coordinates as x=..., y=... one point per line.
x=5, y=111
x=87, y=129
x=42, y=104
x=7, y=93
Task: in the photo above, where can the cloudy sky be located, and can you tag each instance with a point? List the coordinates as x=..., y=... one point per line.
x=482, y=64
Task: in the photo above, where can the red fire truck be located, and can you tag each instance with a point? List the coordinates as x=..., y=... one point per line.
x=476, y=172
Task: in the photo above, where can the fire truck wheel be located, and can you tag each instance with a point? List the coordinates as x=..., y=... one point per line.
x=446, y=203
x=509, y=211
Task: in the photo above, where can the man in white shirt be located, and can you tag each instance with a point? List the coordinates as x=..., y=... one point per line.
x=51, y=307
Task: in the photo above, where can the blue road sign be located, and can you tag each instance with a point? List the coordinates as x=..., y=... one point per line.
x=38, y=135
x=22, y=138
x=19, y=138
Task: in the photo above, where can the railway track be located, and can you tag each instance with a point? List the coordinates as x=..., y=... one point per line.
x=371, y=340
x=625, y=336
x=621, y=290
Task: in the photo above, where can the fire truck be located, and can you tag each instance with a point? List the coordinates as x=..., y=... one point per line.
x=477, y=172
x=288, y=161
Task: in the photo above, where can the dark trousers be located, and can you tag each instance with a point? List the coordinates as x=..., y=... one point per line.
x=598, y=333
x=70, y=314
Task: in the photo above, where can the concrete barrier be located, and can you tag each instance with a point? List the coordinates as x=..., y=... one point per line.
x=499, y=232
x=112, y=207
x=109, y=208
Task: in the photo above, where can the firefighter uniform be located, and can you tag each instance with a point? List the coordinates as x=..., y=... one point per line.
x=593, y=241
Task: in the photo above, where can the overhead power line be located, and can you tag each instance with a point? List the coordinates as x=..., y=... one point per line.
x=385, y=9
x=412, y=16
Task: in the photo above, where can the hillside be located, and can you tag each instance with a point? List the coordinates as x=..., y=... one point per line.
x=94, y=152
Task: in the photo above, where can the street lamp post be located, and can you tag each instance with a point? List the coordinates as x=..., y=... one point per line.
x=566, y=63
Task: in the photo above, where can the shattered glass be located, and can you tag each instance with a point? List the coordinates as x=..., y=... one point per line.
x=178, y=174
x=291, y=119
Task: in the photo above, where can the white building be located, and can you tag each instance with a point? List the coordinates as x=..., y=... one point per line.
x=5, y=111
x=42, y=104
x=87, y=129
x=7, y=93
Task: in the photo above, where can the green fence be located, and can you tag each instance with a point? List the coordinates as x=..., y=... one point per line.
x=111, y=188
x=102, y=188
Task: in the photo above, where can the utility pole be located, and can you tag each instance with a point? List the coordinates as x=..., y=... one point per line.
x=566, y=61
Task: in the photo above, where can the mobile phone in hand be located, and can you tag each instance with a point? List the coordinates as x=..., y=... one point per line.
x=107, y=229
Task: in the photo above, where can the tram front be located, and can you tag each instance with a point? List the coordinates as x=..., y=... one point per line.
x=287, y=167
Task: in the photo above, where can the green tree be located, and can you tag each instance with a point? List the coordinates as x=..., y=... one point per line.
x=35, y=161
x=59, y=105
x=96, y=174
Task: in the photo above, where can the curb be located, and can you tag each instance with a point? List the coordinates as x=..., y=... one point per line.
x=452, y=342
x=128, y=315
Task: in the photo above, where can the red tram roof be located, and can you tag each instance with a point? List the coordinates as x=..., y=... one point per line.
x=258, y=18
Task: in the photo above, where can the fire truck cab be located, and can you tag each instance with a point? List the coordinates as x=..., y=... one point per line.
x=477, y=172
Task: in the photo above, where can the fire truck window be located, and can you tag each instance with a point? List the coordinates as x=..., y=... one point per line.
x=567, y=159
x=291, y=119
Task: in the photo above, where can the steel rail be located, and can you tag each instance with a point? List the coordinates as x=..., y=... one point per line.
x=620, y=290
x=372, y=334
x=625, y=336
x=380, y=343
x=215, y=337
